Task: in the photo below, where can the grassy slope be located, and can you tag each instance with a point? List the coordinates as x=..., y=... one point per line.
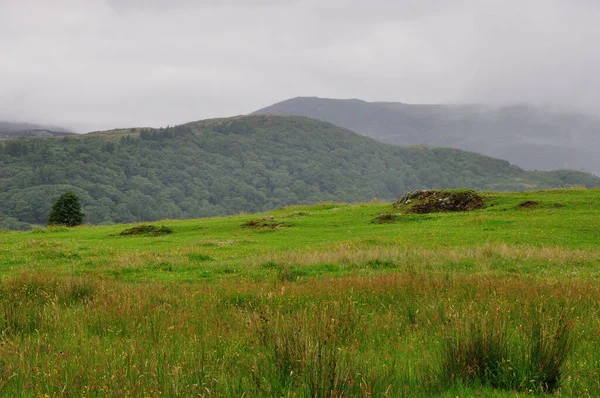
x=564, y=219
x=261, y=305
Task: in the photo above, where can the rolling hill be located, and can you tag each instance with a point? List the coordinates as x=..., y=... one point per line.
x=240, y=164
x=530, y=137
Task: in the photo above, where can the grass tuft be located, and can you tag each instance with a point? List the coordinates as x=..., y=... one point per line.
x=199, y=257
x=309, y=350
x=550, y=346
x=385, y=219
x=478, y=353
x=289, y=274
x=483, y=352
x=381, y=264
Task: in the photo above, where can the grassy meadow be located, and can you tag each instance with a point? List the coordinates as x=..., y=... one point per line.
x=330, y=300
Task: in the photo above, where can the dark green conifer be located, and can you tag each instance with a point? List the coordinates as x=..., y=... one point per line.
x=66, y=211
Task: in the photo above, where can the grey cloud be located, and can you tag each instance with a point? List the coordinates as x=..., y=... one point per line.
x=92, y=64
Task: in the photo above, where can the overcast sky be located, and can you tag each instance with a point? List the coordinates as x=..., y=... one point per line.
x=100, y=64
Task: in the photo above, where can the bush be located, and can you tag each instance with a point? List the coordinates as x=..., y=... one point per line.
x=66, y=211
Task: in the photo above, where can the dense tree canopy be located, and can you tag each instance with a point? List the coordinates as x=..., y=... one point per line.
x=227, y=166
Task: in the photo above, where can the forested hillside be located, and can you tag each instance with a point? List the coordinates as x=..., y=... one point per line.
x=528, y=136
x=227, y=166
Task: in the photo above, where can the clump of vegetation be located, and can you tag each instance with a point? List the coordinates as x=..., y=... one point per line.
x=147, y=230
x=433, y=201
x=381, y=264
x=385, y=219
x=309, y=351
x=528, y=204
x=299, y=214
x=271, y=265
x=199, y=257
x=483, y=352
x=479, y=352
x=264, y=223
x=24, y=299
x=66, y=211
x=289, y=274
x=284, y=273
x=550, y=346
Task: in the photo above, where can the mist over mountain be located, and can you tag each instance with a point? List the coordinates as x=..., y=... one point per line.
x=9, y=130
x=528, y=136
x=241, y=164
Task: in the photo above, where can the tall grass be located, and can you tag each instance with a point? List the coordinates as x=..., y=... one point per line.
x=310, y=349
x=25, y=299
x=479, y=352
x=486, y=351
x=551, y=343
x=315, y=337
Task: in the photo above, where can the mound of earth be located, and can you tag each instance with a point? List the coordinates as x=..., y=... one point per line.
x=147, y=230
x=528, y=204
x=264, y=223
x=434, y=201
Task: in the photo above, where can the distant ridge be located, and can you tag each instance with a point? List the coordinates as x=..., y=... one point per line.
x=10, y=130
x=33, y=133
x=528, y=136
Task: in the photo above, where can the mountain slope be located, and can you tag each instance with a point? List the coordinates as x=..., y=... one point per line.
x=10, y=130
x=241, y=164
x=530, y=137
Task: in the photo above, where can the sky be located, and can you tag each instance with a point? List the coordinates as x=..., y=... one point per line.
x=100, y=64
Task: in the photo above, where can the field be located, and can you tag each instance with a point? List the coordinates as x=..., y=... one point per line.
x=324, y=301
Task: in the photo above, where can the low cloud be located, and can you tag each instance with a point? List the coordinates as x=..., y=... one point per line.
x=91, y=64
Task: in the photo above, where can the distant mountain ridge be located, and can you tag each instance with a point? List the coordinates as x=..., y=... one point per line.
x=10, y=130
x=530, y=137
x=232, y=165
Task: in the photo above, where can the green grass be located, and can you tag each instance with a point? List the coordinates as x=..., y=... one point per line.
x=562, y=228
x=320, y=302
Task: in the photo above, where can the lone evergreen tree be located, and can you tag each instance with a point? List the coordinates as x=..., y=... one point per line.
x=66, y=211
